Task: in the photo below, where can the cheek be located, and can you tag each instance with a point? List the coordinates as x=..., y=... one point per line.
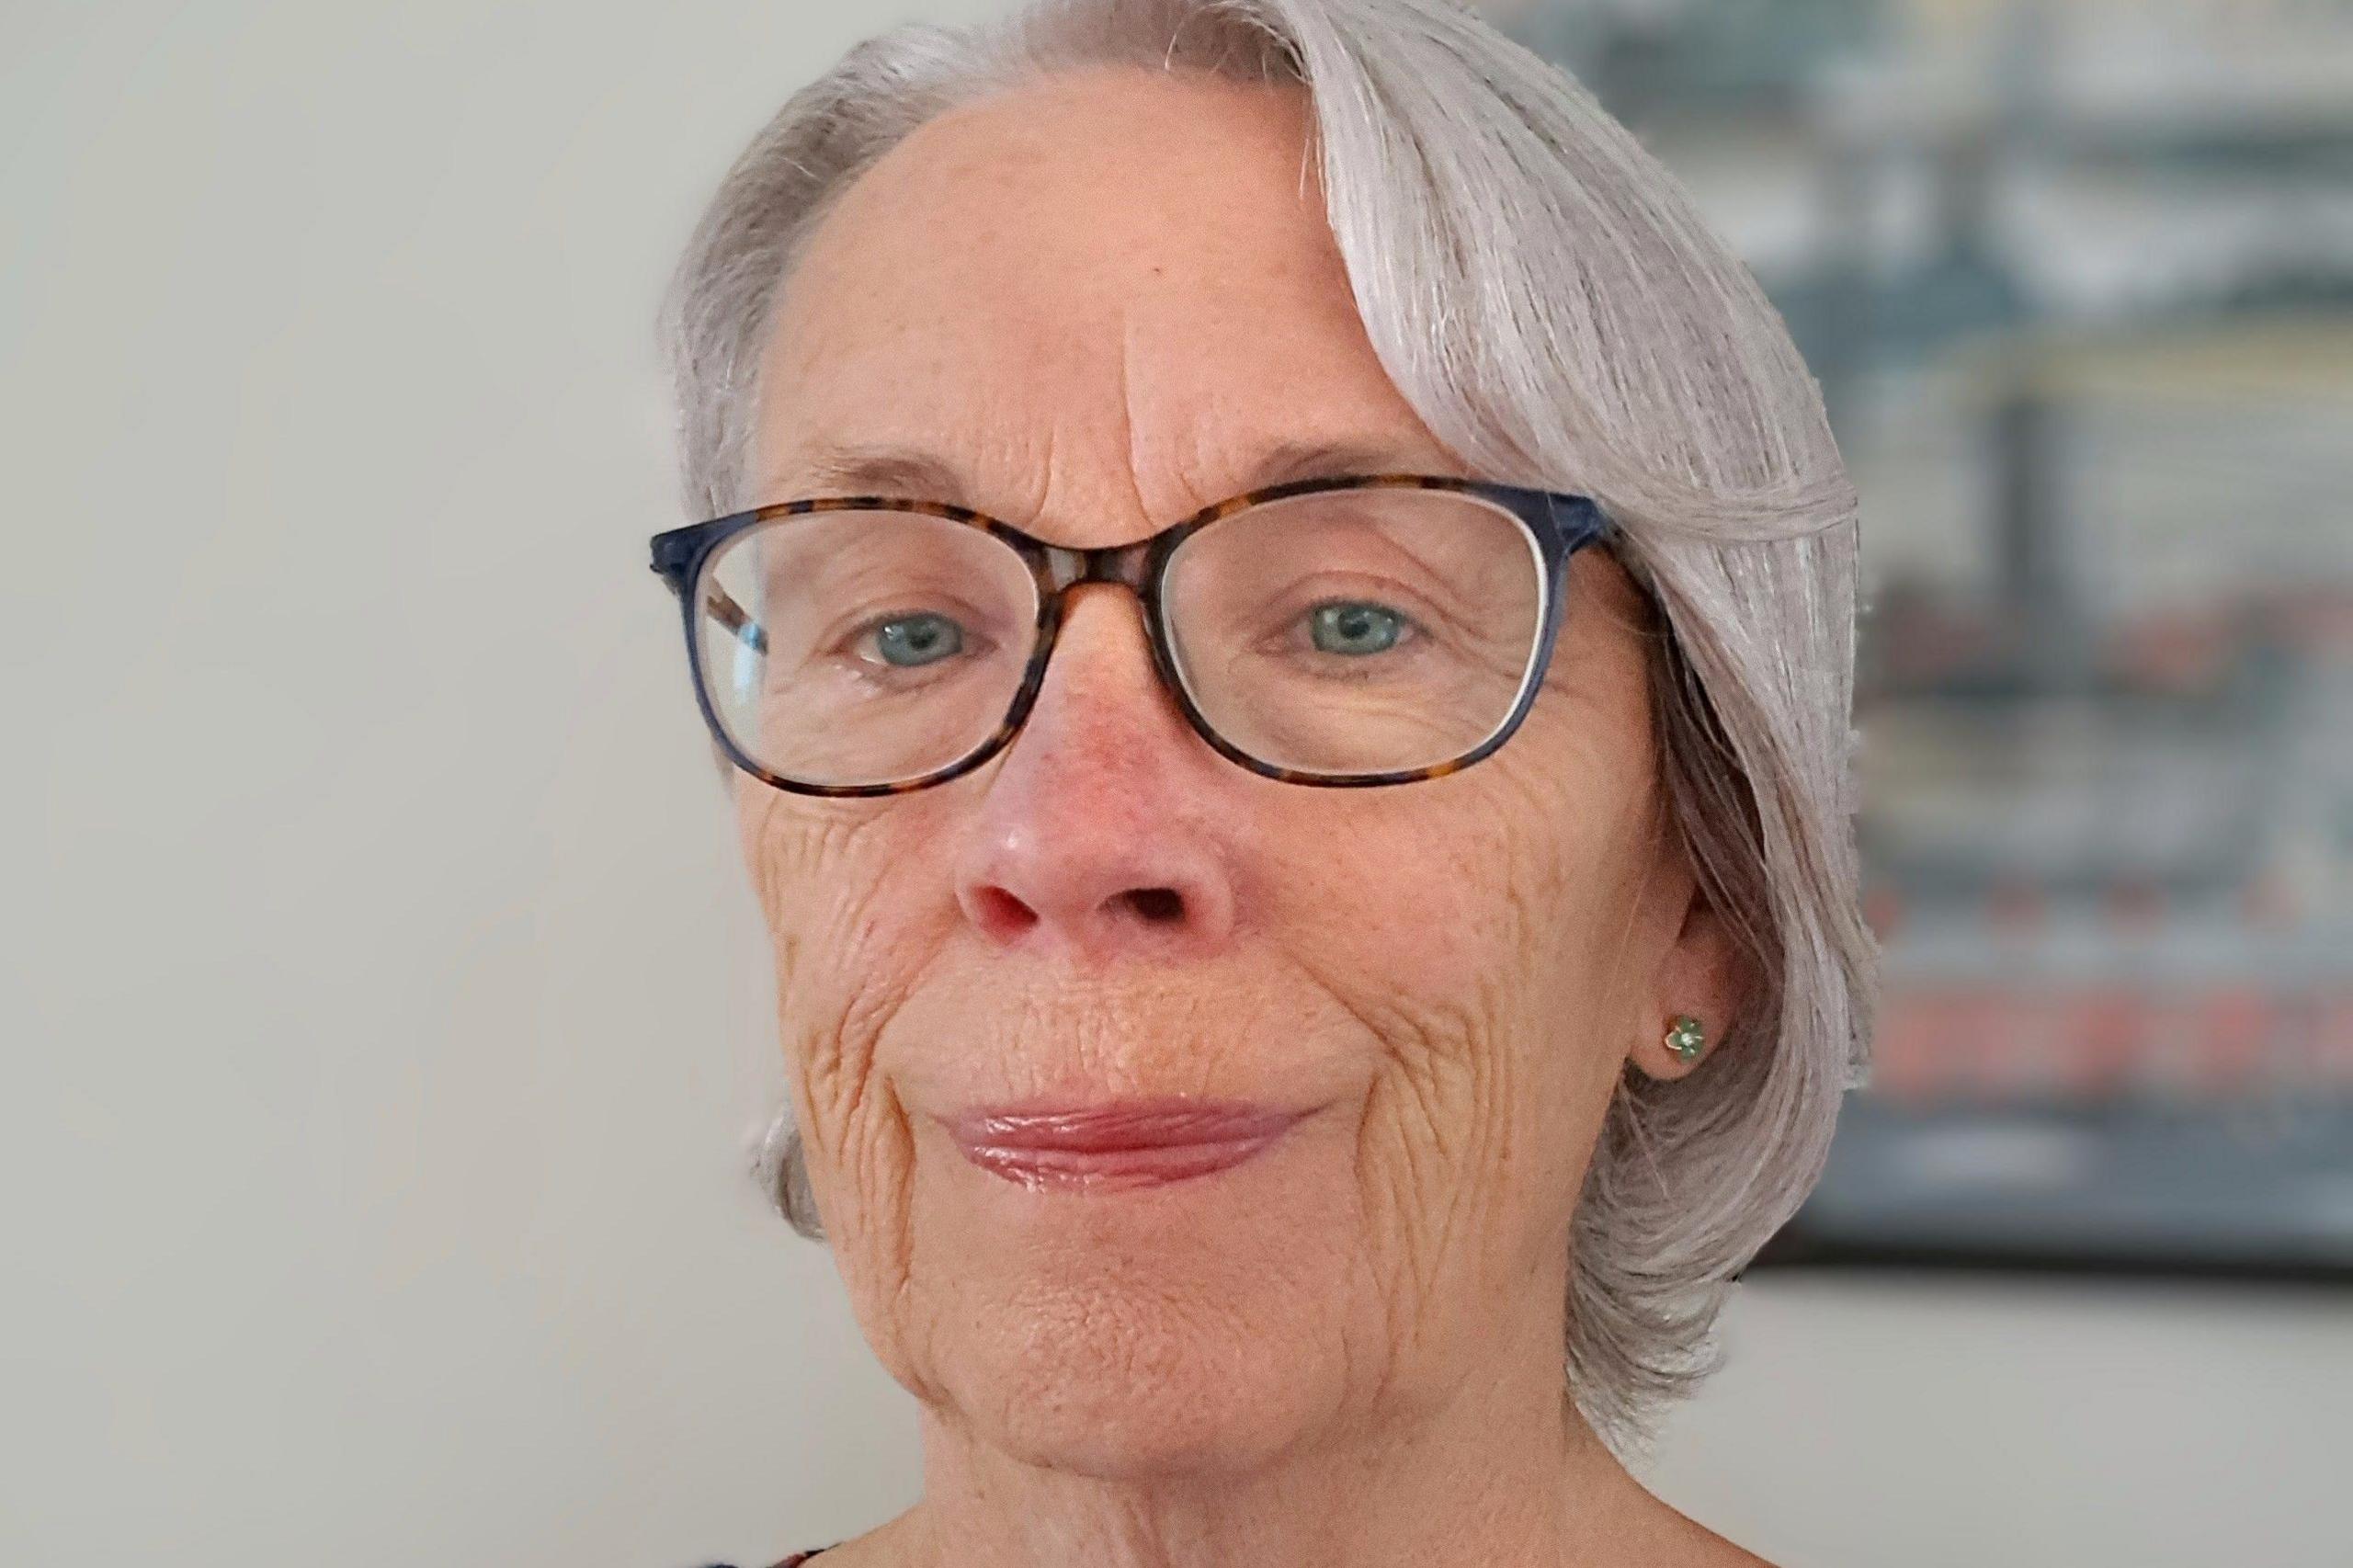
x=1477, y=936
x=847, y=951
x=1473, y=903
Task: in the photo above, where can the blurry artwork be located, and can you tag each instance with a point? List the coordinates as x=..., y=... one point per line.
x=2077, y=278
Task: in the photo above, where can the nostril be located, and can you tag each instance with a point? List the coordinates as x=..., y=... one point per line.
x=1003, y=913
x=1157, y=904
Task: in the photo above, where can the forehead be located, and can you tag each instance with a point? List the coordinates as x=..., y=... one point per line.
x=1114, y=269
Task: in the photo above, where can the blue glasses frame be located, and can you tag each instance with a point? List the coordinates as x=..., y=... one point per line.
x=1559, y=522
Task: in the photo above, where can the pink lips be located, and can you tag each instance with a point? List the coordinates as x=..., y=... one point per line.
x=1140, y=1142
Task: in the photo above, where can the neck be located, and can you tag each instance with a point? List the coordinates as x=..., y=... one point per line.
x=1501, y=1470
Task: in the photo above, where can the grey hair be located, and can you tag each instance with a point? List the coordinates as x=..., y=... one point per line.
x=1549, y=300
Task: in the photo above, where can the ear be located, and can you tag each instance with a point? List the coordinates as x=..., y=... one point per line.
x=1703, y=973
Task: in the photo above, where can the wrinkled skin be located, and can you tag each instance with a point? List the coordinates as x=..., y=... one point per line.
x=1097, y=299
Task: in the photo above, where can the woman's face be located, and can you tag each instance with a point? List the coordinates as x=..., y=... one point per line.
x=1098, y=301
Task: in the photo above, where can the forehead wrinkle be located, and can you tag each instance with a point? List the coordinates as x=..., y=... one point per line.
x=1202, y=458
x=914, y=469
x=1128, y=417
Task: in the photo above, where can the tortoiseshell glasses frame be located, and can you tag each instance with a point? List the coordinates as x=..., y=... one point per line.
x=1558, y=523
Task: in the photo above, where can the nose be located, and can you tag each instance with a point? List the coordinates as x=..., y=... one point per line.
x=1098, y=835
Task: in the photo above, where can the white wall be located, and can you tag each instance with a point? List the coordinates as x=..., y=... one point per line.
x=1933, y=1422
x=384, y=1010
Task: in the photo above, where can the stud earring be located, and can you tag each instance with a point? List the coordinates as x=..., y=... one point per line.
x=1685, y=1039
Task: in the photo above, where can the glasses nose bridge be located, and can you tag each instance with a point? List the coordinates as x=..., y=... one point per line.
x=1066, y=566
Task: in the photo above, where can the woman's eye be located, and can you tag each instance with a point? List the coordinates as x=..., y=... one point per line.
x=908, y=642
x=1355, y=626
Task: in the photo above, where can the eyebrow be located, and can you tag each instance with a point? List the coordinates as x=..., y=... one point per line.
x=883, y=469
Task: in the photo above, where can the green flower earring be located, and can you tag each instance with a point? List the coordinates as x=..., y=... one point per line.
x=1685, y=1039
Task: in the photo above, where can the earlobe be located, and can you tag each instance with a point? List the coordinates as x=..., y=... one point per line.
x=1700, y=989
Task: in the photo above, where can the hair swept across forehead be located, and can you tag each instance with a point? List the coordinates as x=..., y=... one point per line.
x=1549, y=300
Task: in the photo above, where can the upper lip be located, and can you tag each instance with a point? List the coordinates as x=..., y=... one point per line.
x=1099, y=1126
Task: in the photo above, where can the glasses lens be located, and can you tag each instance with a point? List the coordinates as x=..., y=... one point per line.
x=1371, y=631
x=856, y=648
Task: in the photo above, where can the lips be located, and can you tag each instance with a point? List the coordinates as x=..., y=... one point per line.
x=1115, y=1143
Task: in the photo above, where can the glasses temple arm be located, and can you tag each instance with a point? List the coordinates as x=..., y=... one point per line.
x=723, y=609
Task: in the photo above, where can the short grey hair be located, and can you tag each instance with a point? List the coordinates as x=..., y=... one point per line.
x=1549, y=300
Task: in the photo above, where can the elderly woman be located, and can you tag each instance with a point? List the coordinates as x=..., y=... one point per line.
x=1279, y=612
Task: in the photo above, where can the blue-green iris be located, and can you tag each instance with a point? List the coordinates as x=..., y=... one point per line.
x=924, y=638
x=1355, y=626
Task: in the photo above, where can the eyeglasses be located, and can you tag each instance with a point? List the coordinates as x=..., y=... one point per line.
x=1360, y=629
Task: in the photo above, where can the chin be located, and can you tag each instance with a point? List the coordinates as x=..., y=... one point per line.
x=1129, y=1390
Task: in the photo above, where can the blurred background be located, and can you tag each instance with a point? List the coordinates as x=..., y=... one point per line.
x=2076, y=276
x=386, y=1016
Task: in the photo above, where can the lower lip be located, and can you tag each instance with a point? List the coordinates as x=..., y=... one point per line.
x=1140, y=1166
